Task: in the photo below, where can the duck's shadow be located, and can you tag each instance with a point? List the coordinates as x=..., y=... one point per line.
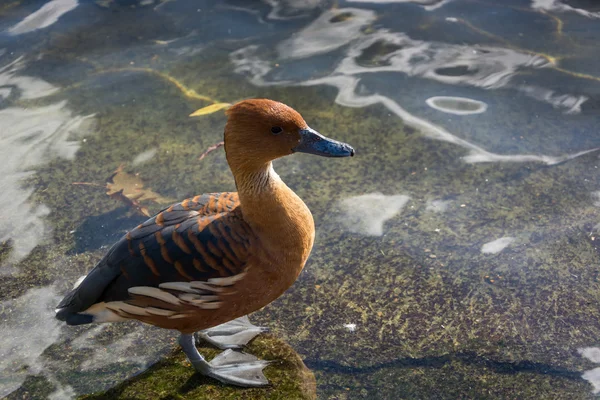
x=105, y=229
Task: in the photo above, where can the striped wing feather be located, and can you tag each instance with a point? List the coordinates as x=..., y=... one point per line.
x=188, y=254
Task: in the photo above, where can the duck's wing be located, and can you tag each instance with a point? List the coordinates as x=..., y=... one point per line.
x=196, y=249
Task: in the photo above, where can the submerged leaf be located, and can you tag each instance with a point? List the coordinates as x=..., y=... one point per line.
x=133, y=203
x=210, y=109
x=130, y=190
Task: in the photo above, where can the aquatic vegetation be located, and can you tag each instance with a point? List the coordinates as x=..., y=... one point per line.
x=442, y=301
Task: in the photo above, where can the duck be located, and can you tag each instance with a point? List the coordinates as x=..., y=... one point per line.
x=208, y=261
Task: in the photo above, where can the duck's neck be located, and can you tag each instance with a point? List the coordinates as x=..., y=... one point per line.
x=282, y=221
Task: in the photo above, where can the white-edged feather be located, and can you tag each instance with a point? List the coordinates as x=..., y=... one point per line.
x=179, y=286
x=155, y=293
x=78, y=282
x=102, y=313
x=227, y=281
x=205, y=286
x=160, y=311
x=211, y=305
x=126, y=307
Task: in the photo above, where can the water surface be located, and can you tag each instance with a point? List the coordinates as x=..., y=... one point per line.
x=456, y=254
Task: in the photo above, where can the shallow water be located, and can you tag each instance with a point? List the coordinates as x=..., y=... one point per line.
x=456, y=254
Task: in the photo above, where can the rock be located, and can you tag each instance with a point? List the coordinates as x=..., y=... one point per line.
x=174, y=378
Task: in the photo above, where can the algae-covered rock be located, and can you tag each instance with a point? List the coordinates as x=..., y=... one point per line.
x=174, y=378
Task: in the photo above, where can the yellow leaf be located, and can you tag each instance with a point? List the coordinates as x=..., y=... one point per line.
x=210, y=109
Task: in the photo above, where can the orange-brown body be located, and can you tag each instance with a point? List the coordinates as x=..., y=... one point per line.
x=280, y=241
x=215, y=257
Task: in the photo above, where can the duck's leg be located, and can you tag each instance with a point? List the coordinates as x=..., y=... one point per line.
x=233, y=334
x=232, y=367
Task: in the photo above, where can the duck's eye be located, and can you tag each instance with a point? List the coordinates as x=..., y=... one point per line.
x=276, y=130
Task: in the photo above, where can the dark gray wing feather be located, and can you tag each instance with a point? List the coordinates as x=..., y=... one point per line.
x=146, y=256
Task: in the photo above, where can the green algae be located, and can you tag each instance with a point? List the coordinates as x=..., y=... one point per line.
x=174, y=378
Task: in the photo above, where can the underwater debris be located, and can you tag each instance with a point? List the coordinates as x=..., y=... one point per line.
x=129, y=189
x=210, y=150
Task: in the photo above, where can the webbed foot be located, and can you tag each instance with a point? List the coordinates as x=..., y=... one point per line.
x=238, y=368
x=233, y=334
x=231, y=367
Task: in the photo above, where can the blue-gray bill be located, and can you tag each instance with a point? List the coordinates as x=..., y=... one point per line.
x=312, y=142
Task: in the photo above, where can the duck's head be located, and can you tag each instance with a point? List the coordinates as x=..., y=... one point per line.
x=260, y=130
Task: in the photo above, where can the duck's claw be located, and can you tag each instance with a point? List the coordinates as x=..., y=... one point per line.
x=236, y=368
x=233, y=334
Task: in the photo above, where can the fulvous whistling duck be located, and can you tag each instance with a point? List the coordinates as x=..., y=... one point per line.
x=215, y=257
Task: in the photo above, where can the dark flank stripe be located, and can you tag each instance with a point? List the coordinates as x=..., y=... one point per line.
x=129, y=244
x=198, y=265
x=214, y=249
x=124, y=273
x=231, y=246
x=225, y=248
x=180, y=242
x=182, y=272
x=149, y=262
x=233, y=233
x=229, y=265
x=245, y=229
x=239, y=249
x=219, y=230
x=218, y=265
x=163, y=249
x=212, y=228
x=206, y=256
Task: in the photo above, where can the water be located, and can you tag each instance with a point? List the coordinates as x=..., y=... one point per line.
x=456, y=254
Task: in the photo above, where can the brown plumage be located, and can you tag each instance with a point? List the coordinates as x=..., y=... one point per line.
x=219, y=256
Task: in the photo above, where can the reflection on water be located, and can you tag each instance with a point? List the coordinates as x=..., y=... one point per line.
x=456, y=105
x=26, y=88
x=592, y=375
x=489, y=68
x=47, y=15
x=28, y=328
x=496, y=246
x=144, y=157
x=560, y=6
x=30, y=137
x=458, y=245
x=127, y=349
x=287, y=9
x=428, y=4
x=332, y=30
x=367, y=213
x=438, y=205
